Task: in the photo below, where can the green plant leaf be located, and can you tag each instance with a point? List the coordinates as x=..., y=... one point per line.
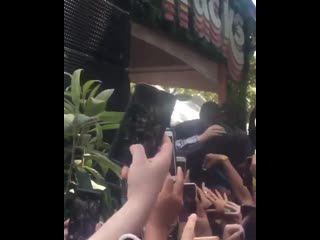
x=76, y=88
x=103, y=161
x=68, y=123
x=68, y=106
x=88, y=163
x=68, y=74
x=86, y=87
x=94, y=91
x=81, y=119
x=94, y=106
x=110, y=117
x=84, y=180
x=110, y=126
x=107, y=126
x=85, y=139
x=105, y=95
x=97, y=176
x=99, y=135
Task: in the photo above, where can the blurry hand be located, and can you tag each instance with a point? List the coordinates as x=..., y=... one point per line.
x=188, y=231
x=211, y=132
x=233, y=232
x=187, y=177
x=211, y=160
x=169, y=202
x=220, y=202
x=202, y=228
x=66, y=225
x=146, y=176
x=253, y=165
x=205, y=202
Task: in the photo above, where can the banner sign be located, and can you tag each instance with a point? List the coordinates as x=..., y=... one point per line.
x=214, y=21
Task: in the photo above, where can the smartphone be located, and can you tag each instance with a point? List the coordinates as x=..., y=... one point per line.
x=189, y=201
x=145, y=121
x=85, y=213
x=182, y=162
x=173, y=167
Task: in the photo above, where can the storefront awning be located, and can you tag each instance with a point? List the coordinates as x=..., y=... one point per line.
x=158, y=59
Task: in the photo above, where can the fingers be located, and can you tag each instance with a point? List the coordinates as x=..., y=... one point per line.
x=236, y=236
x=66, y=232
x=124, y=172
x=233, y=231
x=218, y=194
x=66, y=223
x=168, y=185
x=204, y=188
x=98, y=226
x=188, y=232
x=200, y=194
x=214, y=196
x=200, y=210
x=187, y=177
x=163, y=157
x=225, y=196
x=178, y=186
x=138, y=154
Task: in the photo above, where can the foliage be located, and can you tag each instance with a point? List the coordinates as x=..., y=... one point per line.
x=208, y=96
x=86, y=160
x=251, y=89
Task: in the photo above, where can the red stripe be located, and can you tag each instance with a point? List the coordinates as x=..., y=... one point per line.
x=169, y=16
x=183, y=16
x=169, y=7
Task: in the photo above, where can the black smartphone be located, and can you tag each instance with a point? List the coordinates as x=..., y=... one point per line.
x=189, y=201
x=85, y=213
x=145, y=121
x=173, y=167
x=182, y=162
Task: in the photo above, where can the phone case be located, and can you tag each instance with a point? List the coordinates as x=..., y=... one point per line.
x=147, y=116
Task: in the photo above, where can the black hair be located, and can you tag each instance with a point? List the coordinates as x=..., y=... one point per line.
x=209, y=112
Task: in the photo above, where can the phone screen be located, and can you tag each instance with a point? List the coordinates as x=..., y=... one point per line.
x=147, y=116
x=85, y=214
x=173, y=167
x=189, y=201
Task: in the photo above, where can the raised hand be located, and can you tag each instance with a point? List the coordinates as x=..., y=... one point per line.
x=146, y=176
x=169, y=202
x=188, y=231
x=211, y=132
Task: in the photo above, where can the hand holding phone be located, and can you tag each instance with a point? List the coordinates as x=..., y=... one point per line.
x=169, y=202
x=147, y=116
x=173, y=167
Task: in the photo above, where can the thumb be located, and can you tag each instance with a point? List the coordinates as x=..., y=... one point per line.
x=138, y=154
x=124, y=172
x=188, y=231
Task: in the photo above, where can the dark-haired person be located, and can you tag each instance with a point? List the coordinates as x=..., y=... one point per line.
x=195, y=140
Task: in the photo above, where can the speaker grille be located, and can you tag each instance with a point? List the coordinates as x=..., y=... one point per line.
x=89, y=27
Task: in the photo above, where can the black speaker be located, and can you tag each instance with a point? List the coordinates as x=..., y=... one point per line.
x=95, y=30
